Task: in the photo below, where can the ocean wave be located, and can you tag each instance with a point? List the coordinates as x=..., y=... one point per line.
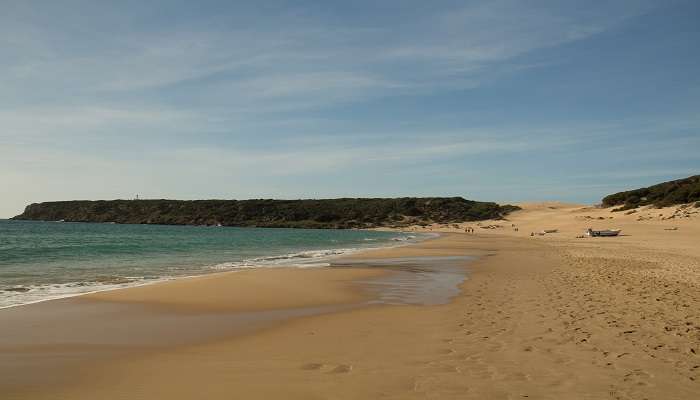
x=302, y=259
x=16, y=295
x=309, y=258
x=407, y=238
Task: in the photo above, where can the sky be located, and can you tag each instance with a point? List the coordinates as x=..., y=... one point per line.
x=491, y=100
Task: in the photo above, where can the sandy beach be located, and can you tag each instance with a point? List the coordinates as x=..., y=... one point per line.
x=548, y=316
x=349, y=200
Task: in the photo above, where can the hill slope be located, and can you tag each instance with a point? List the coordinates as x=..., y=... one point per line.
x=330, y=213
x=665, y=194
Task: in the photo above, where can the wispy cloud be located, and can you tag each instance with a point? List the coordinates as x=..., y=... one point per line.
x=71, y=125
x=303, y=57
x=189, y=100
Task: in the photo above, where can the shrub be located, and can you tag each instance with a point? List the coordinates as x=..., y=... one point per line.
x=680, y=191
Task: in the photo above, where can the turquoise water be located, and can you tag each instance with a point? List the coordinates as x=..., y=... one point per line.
x=46, y=260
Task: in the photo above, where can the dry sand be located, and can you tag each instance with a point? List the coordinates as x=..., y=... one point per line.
x=553, y=316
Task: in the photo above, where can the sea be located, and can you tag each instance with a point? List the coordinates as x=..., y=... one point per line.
x=48, y=260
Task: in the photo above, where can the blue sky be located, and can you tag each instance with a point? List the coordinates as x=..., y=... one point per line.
x=490, y=100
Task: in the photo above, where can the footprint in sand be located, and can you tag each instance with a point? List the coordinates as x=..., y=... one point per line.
x=341, y=369
x=445, y=368
x=312, y=366
x=328, y=368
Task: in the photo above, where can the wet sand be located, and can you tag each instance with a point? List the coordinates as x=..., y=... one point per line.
x=551, y=317
x=51, y=344
x=48, y=344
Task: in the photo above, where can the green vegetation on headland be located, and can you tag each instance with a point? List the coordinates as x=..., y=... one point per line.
x=665, y=194
x=329, y=213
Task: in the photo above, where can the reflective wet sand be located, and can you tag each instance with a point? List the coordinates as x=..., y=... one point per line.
x=414, y=280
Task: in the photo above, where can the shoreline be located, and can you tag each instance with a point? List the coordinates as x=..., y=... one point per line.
x=163, y=280
x=48, y=345
x=175, y=307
